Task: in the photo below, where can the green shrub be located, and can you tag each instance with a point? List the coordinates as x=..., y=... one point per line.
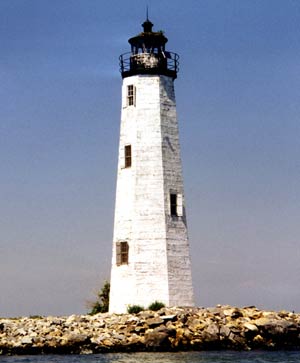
x=134, y=309
x=35, y=317
x=156, y=305
x=102, y=304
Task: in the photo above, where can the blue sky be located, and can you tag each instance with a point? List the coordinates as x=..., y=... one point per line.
x=238, y=105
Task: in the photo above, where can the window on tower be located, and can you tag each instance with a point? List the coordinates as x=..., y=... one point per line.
x=176, y=206
x=173, y=204
x=122, y=250
x=131, y=95
x=127, y=151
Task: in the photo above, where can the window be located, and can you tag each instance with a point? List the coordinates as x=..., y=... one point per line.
x=131, y=95
x=176, y=205
x=173, y=204
x=127, y=151
x=122, y=250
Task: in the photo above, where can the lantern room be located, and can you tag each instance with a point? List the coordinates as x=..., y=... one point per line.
x=148, y=55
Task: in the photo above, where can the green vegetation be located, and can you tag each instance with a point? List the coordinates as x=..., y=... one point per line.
x=156, y=305
x=134, y=309
x=102, y=303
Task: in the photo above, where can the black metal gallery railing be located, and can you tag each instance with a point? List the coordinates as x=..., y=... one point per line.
x=166, y=63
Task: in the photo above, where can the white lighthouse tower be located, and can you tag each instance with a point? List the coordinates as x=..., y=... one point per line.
x=150, y=259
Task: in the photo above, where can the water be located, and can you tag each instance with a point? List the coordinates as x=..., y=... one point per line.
x=190, y=357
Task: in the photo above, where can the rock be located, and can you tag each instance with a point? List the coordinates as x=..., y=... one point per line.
x=107, y=342
x=197, y=324
x=157, y=339
x=73, y=338
x=140, y=329
x=233, y=313
x=133, y=341
x=21, y=331
x=211, y=335
x=153, y=322
x=251, y=327
x=261, y=322
x=118, y=337
x=223, y=327
x=258, y=339
x=213, y=329
x=166, y=318
x=26, y=340
x=224, y=331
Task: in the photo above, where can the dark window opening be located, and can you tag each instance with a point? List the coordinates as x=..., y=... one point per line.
x=127, y=156
x=173, y=204
x=122, y=250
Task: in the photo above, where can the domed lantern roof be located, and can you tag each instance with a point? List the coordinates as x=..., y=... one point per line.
x=148, y=40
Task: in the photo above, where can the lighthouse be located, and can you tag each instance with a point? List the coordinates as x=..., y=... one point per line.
x=150, y=255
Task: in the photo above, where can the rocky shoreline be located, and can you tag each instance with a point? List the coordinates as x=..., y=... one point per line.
x=169, y=329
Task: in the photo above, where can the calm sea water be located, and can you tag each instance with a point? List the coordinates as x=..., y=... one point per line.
x=190, y=357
